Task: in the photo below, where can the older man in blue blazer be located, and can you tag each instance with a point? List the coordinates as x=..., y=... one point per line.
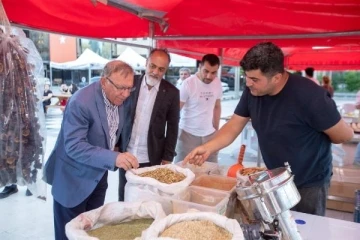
x=78, y=166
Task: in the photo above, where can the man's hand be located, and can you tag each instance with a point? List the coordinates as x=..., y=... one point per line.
x=197, y=156
x=126, y=161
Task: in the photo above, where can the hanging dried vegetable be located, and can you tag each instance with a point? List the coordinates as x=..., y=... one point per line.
x=21, y=144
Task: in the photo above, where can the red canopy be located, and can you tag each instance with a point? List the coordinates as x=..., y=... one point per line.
x=206, y=26
x=325, y=59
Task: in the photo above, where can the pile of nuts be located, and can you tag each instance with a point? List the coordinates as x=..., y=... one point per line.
x=252, y=170
x=164, y=175
x=197, y=230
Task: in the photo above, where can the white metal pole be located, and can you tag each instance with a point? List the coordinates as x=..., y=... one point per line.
x=89, y=74
x=237, y=82
x=221, y=53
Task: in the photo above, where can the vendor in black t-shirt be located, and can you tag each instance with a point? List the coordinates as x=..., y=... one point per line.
x=295, y=120
x=46, y=96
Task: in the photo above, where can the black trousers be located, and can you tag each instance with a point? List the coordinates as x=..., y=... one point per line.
x=122, y=181
x=63, y=215
x=313, y=200
x=44, y=106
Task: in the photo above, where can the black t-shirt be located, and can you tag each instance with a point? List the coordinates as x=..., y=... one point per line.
x=290, y=128
x=47, y=102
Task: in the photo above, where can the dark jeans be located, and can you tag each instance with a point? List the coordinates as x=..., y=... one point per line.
x=122, y=181
x=44, y=106
x=313, y=200
x=63, y=215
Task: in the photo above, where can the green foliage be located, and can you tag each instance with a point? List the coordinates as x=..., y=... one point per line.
x=348, y=81
x=352, y=81
x=337, y=80
x=106, y=50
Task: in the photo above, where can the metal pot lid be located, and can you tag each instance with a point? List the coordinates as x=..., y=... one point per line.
x=270, y=179
x=268, y=175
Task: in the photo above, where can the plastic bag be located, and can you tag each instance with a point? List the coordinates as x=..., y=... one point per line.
x=22, y=124
x=158, y=227
x=338, y=155
x=111, y=213
x=145, y=189
x=205, y=168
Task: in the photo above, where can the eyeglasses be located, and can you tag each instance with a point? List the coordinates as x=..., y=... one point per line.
x=121, y=89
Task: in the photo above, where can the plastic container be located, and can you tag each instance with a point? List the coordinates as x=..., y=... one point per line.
x=338, y=154
x=200, y=199
x=216, y=182
x=205, y=168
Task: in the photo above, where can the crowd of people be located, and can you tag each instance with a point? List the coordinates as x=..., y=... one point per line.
x=125, y=121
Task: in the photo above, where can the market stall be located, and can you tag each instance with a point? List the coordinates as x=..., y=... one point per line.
x=221, y=31
x=229, y=203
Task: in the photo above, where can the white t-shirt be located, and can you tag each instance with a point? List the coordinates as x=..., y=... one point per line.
x=179, y=83
x=198, y=110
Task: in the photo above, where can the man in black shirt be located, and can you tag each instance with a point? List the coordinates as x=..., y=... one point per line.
x=295, y=120
x=47, y=95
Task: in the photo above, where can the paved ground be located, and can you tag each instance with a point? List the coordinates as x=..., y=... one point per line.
x=28, y=218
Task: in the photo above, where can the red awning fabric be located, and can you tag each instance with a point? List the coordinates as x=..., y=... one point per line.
x=76, y=17
x=205, y=26
x=325, y=59
x=262, y=17
x=188, y=18
x=295, y=58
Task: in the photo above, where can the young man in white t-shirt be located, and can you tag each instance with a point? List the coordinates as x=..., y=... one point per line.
x=200, y=97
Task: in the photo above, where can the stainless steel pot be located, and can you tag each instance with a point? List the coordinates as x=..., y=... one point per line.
x=268, y=195
x=277, y=190
x=248, y=209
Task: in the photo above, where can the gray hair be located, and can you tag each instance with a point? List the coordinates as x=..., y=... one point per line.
x=117, y=66
x=185, y=70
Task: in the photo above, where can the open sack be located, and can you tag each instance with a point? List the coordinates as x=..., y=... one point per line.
x=155, y=230
x=111, y=213
x=145, y=189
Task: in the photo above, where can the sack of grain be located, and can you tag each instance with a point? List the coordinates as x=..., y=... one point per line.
x=193, y=225
x=112, y=214
x=139, y=188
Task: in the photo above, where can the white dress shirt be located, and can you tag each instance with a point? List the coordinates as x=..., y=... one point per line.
x=145, y=104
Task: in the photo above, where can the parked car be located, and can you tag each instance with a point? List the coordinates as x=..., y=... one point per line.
x=225, y=87
x=229, y=81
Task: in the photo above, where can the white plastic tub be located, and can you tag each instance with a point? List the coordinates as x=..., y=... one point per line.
x=200, y=199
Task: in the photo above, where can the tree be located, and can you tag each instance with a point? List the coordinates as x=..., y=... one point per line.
x=337, y=80
x=95, y=46
x=352, y=81
x=106, y=50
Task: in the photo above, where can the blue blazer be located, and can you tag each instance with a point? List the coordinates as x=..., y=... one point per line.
x=81, y=155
